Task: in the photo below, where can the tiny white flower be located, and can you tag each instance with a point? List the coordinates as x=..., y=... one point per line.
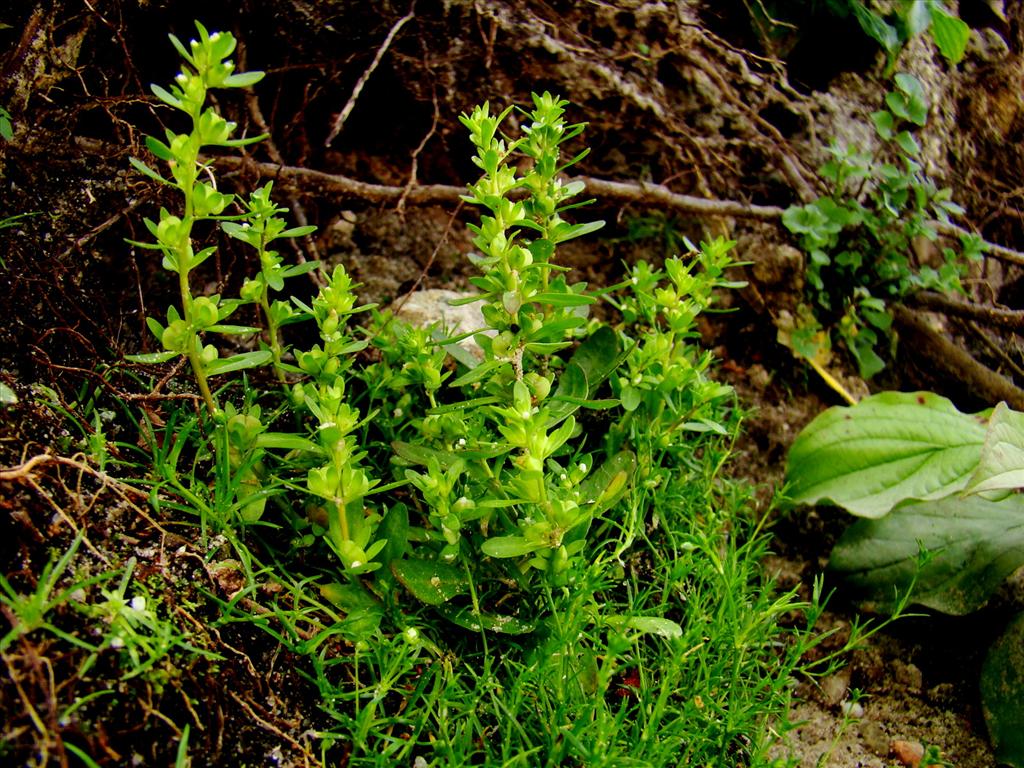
x=397, y=413
x=462, y=442
x=139, y=603
x=583, y=467
x=635, y=281
x=563, y=477
x=117, y=642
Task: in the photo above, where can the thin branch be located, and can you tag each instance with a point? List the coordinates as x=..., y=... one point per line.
x=947, y=359
x=642, y=192
x=614, y=191
x=936, y=302
x=339, y=122
x=995, y=348
x=319, y=182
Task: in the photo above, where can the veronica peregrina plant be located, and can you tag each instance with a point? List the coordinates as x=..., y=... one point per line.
x=206, y=67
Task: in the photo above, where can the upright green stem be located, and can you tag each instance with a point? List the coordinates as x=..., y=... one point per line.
x=273, y=337
x=195, y=357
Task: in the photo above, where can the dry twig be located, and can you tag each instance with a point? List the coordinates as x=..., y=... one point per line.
x=339, y=122
x=946, y=358
x=936, y=302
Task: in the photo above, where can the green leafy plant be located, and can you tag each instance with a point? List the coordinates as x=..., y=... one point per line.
x=522, y=548
x=908, y=19
x=860, y=240
x=891, y=25
x=206, y=66
x=507, y=482
x=927, y=477
x=29, y=612
x=6, y=128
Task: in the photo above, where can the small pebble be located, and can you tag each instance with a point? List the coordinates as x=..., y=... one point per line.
x=909, y=675
x=834, y=688
x=852, y=709
x=908, y=753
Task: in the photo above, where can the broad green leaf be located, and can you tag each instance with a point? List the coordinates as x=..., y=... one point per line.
x=160, y=149
x=7, y=395
x=557, y=329
x=917, y=17
x=910, y=101
x=1002, y=680
x=465, y=300
x=152, y=358
x=458, y=352
x=907, y=142
x=556, y=299
x=631, y=397
x=501, y=624
x=297, y=232
x=598, y=356
x=395, y=528
x=509, y=546
x=862, y=347
x=155, y=328
x=286, y=441
x=364, y=613
x=243, y=79
x=545, y=348
x=349, y=597
x=233, y=329
x=572, y=388
x=949, y=33
x=542, y=250
x=145, y=170
x=576, y=230
x=975, y=544
x=421, y=454
x=239, y=362
x=464, y=405
x=166, y=97
x=888, y=448
x=884, y=123
x=1002, y=457
x=653, y=625
x=431, y=581
x=478, y=373
x=877, y=28
x=603, y=487
x=241, y=142
x=300, y=269
x=803, y=219
x=705, y=425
